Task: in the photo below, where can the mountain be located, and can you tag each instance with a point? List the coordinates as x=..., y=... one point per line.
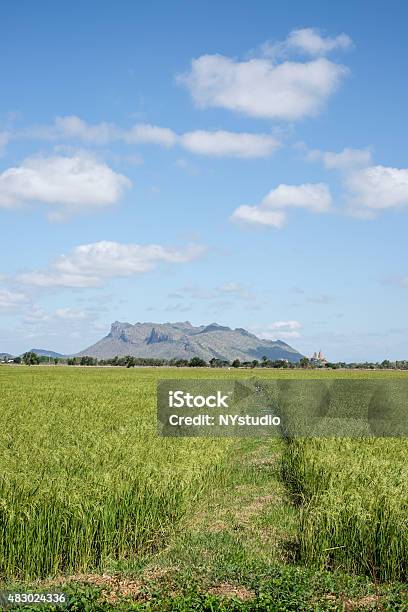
x=184, y=341
x=5, y=356
x=45, y=353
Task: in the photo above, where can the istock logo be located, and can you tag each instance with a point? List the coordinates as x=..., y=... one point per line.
x=180, y=399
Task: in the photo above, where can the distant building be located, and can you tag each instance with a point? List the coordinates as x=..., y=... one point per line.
x=318, y=359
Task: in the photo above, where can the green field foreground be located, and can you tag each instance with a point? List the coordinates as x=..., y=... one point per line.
x=83, y=477
x=86, y=486
x=354, y=503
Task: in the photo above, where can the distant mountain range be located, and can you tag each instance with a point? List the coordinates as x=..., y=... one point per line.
x=45, y=353
x=39, y=352
x=184, y=341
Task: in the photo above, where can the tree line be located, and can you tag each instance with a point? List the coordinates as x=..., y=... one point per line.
x=128, y=361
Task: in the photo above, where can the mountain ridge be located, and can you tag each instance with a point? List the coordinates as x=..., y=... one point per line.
x=46, y=353
x=182, y=340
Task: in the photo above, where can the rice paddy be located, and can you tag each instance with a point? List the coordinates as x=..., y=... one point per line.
x=354, y=504
x=84, y=479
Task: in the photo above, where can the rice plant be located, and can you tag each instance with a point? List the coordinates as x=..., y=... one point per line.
x=83, y=476
x=354, y=496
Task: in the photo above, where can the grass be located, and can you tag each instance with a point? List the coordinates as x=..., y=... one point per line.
x=87, y=488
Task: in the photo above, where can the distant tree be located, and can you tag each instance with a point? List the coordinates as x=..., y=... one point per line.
x=179, y=363
x=87, y=361
x=130, y=361
x=31, y=358
x=304, y=362
x=255, y=363
x=197, y=362
x=213, y=362
x=236, y=363
x=17, y=360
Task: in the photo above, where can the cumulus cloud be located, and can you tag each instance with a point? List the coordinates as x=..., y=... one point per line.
x=66, y=329
x=69, y=314
x=262, y=87
x=232, y=144
x=314, y=197
x=345, y=160
x=256, y=216
x=74, y=127
x=219, y=143
x=378, y=188
x=312, y=42
x=369, y=189
x=74, y=183
x=11, y=301
x=92, y=265
x=150, y=134
x=280, y=330
x=288, y=325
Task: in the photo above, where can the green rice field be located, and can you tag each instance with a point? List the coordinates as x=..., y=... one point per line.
x=85, y=482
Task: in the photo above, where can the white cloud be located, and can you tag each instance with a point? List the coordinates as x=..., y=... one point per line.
x=11, y=300
x=347, y=159
x=92, y=265
x=150, y=134
x=311, y=41
x=369, y=189
x=222, y=143
x=378, y=188
x=288, y=325
x=260, y=87
x=235, y=289
x=36, y=314
x=287, y=335
x=66, y=330
x=75, y=183
x=314, y=197
x=217, y=143
x=70, y=314
x=74, y=127
x=280, y=330
x=255, y=215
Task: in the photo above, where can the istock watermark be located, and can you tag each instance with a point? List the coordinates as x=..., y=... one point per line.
x=180, y=399
x=284, y=407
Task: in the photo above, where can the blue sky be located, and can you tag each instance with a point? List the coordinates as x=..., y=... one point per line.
x=243, y=163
